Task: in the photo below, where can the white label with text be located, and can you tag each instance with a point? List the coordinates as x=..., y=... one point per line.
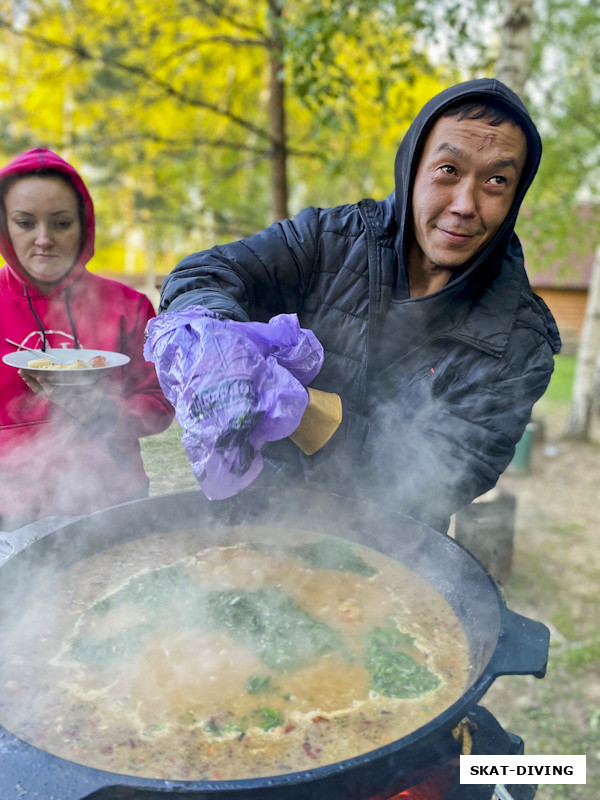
x=522, y=769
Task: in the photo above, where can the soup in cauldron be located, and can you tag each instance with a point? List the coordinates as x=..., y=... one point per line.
x=158, y=659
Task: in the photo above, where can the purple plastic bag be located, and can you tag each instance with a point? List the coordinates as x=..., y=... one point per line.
x=234, y=386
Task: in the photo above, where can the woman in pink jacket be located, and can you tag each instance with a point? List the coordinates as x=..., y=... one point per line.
x=64, y=451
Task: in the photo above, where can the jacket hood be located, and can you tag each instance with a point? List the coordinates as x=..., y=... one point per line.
x=409, y=153
x=28, y=163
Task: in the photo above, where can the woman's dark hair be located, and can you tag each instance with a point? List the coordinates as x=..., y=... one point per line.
x=10, y=180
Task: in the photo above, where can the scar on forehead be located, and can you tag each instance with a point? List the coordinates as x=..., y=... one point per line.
x=487, y=139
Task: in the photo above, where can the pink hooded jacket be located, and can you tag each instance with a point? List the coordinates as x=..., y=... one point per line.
x=51, y=464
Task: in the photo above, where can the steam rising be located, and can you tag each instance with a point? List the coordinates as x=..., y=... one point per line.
x=60, y=469
x=177, y=671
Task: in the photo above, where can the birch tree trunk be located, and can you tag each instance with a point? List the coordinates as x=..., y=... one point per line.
x=279, y=184
x=513, y=63
x=580, y=417
x=279, y=187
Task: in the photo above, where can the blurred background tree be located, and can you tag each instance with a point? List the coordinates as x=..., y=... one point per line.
x=196, y=121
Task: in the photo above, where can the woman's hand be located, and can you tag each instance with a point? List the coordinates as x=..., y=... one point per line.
x=81, y=402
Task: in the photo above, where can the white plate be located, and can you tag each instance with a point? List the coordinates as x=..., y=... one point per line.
x=67, y=377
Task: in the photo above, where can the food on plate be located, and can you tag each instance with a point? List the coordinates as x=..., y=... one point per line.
x=98, y=361
x=47, y=363
x=162, y=658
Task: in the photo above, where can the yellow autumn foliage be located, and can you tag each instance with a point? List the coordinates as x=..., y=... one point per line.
x=164, y=109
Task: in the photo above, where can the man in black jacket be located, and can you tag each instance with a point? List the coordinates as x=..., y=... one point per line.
x=432, y=336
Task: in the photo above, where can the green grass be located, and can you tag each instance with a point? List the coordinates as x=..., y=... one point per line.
x=556, y=401
x=166, y=462
x=551, y=726
x=581, y=656
x=561, y=382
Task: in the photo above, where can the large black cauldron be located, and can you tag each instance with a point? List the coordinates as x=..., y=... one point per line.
x=501, y=642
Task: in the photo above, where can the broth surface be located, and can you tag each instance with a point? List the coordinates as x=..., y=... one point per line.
x=165, y=658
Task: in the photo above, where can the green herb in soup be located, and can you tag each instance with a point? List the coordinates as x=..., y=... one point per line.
x=326, y=554
x=266, y=620
x=332, y=554
x=153, y=597
x=275, y=628
x=395, y=673
x=266, y=719
x=164, y=660
x=105, y=653
x=259, y=683
x=158, y=590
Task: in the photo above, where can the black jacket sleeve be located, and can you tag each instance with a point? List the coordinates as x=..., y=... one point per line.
x=254, y=278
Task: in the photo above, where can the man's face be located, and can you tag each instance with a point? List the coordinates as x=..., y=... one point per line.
x=464, y=187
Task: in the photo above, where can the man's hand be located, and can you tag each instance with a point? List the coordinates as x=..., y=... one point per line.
x=81, y=402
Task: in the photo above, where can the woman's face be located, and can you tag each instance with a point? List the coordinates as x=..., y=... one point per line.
x=44, y=227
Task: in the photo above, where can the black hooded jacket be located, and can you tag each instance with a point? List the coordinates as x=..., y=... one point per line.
x=436, y=390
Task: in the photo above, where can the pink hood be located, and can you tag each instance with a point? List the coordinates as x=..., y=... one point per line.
x=33, y=161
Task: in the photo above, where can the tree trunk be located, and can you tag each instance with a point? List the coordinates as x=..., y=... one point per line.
x=578, y=425
x=513, y=64
x=279, y=188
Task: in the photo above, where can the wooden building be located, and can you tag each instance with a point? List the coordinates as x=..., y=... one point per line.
x=564, y=284
x=565, y=292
